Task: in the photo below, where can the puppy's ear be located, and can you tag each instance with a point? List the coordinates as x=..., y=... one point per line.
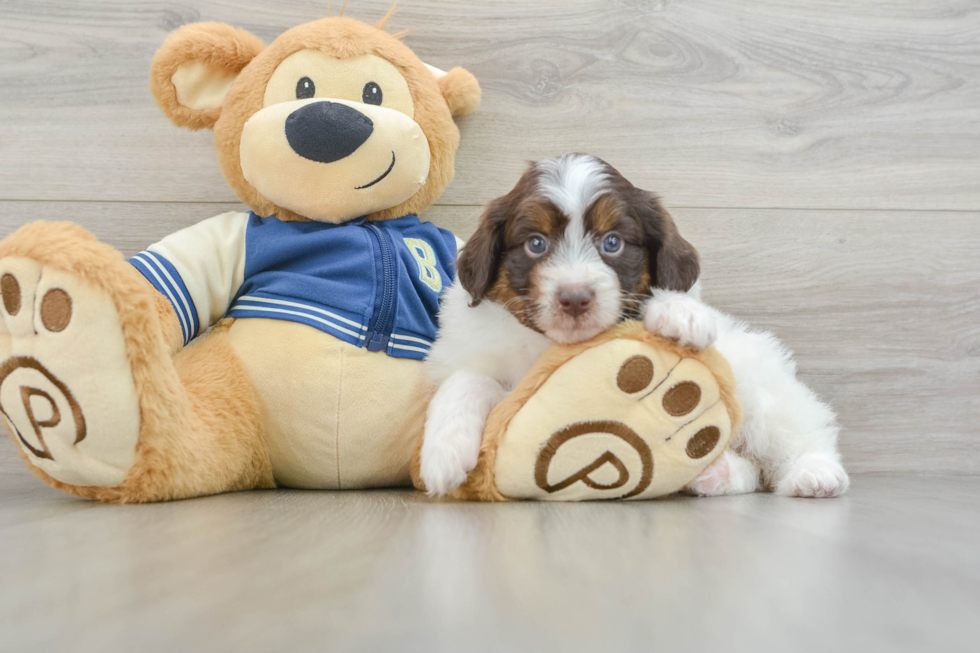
x=479, y=260
x=678, y=267
x=194, y=68
x=673, y=262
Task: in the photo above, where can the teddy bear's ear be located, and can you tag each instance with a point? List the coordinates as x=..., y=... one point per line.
x=460, y=89
x=194, y=68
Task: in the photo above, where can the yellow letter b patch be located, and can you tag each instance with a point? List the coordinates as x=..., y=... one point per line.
x=426, y=259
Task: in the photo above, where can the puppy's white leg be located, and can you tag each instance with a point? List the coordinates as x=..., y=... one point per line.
x=785, y=426
x=807, y=461
x=799, y=445
x=680, y=317
x=817, y=475
x=730, y=474
x=454, y=429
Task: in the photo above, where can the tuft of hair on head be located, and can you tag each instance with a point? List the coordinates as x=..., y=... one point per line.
x=341, y=14
x=384, y=20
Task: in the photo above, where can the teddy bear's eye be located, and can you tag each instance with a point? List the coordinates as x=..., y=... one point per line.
x=305, y=89
x=371, y=94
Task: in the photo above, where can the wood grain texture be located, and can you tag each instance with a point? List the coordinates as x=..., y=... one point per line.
x=770, y=103
x=881, y=308
x=892, y=566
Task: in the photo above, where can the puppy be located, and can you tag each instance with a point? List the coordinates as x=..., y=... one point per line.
x=573, y=249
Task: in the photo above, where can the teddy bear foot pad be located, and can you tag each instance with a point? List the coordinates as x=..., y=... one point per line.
x=65, y=380
x=626, y=419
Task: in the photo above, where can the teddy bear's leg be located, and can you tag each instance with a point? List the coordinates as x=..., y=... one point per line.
x=628, y=415
x=91, y=392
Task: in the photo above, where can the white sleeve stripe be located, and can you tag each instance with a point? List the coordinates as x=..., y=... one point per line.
x=183, y=324
x=305, y=307
x=306, y=315
x=206, y=264
x=190, y=314
x=168, y=288
x=394, y=346
x=427, y=343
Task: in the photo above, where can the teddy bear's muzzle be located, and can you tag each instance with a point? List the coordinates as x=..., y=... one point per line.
x=332, y=160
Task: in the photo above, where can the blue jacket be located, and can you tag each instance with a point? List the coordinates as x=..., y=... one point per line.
x=371, y=284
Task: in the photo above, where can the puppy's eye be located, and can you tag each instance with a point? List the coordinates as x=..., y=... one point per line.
x=612, y=244
x=305, y=89
x=372, y=94
x=536, y=245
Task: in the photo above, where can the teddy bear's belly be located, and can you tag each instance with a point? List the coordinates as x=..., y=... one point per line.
x=336, y=416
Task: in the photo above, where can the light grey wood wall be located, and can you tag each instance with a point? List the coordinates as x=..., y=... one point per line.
x=823, y=156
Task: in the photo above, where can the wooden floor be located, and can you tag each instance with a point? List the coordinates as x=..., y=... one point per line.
x=892, y=567
x=823, y=156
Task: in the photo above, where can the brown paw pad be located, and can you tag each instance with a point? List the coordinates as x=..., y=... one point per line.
x=55, y=310
x=682, y=398
x=21, y=287
x=11, y=293
x=635, y=374
x=703, y=442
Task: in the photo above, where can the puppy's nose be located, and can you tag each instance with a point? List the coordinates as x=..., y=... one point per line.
x=575, y=301
x=327, y=131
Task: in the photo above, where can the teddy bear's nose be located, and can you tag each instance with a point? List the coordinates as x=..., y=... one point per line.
x=327, y=131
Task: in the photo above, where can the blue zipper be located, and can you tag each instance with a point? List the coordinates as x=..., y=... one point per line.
x=379, y=331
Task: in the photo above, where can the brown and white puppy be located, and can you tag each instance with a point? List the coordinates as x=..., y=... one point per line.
x=573, y=249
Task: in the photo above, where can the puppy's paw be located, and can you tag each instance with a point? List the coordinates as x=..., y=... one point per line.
x=682, y=318
x=441, y=470
x=814, y=475
x=449, y=453
x=730, y=474
x=713, y=481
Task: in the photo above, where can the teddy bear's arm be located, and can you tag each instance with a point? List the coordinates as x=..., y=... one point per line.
x=198, y=270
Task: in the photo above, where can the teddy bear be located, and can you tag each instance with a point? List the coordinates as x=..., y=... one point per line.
x=279, y=346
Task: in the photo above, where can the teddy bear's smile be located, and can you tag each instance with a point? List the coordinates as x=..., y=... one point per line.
x=383, y=175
